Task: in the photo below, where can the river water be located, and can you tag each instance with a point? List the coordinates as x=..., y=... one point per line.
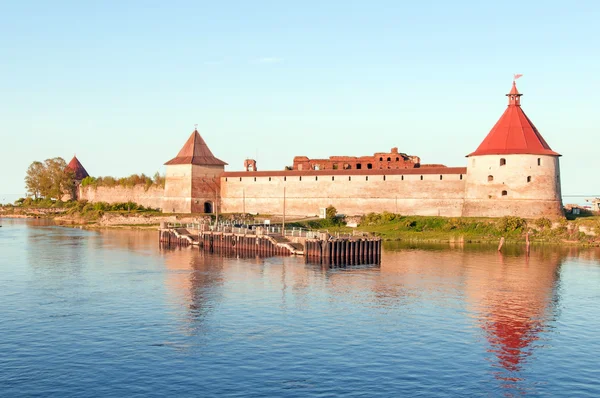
x=109, y=313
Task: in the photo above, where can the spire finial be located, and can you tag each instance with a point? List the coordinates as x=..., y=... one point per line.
x=196, y=127
x=514, y=97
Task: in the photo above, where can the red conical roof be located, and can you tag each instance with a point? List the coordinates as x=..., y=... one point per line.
x=514, y=133
x=195, y=151
x=78, y=169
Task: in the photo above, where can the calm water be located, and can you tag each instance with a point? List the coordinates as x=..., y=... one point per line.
x=88, y=313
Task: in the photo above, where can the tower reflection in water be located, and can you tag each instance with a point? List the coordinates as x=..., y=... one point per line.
x=511, y=298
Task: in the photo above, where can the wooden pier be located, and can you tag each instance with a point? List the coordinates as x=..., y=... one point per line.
x=316, y=247
x=343, y=251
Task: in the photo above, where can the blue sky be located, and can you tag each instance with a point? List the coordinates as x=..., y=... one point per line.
x=122, y=83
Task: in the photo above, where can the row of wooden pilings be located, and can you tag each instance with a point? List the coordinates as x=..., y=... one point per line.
x=169, y=238
x=339, y=251
x=250, y=244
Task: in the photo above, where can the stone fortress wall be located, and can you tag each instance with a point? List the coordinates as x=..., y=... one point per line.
x=151, y=197
x=430, y=191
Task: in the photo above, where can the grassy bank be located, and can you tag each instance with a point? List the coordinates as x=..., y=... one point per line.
x=391, y=227
x=396, y=227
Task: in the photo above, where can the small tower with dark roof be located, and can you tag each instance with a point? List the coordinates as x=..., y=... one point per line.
x=513, y=172
x=78, y=169
x=79, y=173
x=192, y=178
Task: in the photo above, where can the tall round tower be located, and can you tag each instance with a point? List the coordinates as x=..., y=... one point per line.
x=513, y=171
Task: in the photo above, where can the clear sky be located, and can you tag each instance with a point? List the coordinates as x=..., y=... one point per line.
x=122, y=83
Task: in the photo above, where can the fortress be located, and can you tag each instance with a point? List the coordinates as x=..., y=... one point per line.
x=512, y=172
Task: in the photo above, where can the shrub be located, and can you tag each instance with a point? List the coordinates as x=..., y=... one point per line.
x=511, y=224
x=543, y=223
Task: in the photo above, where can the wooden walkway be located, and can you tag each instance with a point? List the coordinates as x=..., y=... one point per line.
x=326, y=249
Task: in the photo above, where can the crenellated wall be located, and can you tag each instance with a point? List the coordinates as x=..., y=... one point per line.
x=435, y=191
x=151, y=197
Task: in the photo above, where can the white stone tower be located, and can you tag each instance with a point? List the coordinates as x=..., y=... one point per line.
x=192, y=179
x=514, y=171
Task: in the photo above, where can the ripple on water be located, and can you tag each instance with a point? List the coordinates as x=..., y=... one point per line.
x=110, y=314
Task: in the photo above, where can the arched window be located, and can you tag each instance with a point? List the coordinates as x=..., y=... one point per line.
x=441, y=177
x=389, y=159
x=421, y=178
x=397, y=159
x=383, y=178
x=269, y=178
x=381, y=159
x=300, y=178
x=316, y=178
x=225, y=179
x=254, y=179
x=369, y=166
x=367, y=178
x=490, y=178
x=332, y=178
x=539, y=161
x=240, y=179
x=502, y=162
x=528, y=178
x=461, y=176
x=284, y=178
x=402, y=178
x=349, y=178
x=504, y=193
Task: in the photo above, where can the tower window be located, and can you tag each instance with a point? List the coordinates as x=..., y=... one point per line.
x=358, y=166
x=502, y=162
x=240, y=179
x=528, y=178
x=490, y=178
x=349, y=178
x=316, y=178
x=389, y=159
x=421, y=178
x=269, y=178
x=284, y=178
x=300, y=178
x=367, y=178
x=381, y=159
x=504, y=193
x=369, y=166
x=225, y=179
x=539, y=161
x=461, y=176
x=254, y=179
x=397, y=159
x=383, y=178
x=402, y=178
x=332, y=178
x=441, y=177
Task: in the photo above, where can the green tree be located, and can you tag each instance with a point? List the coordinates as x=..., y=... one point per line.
x=330, y=213
x=34, y=179
x=51, y=179
x=62, y=178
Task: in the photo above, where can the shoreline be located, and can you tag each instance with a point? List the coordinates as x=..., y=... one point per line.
x=585, y=236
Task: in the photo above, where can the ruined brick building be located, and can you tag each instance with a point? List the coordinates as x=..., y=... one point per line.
x=512, y=172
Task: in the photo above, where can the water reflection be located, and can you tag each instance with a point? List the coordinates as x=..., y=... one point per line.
x=513, y=297
x=193, y=281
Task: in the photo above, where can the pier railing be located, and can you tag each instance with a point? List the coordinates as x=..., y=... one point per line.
x=266, y=230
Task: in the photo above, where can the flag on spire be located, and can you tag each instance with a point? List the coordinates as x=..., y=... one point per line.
x=517, y=75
